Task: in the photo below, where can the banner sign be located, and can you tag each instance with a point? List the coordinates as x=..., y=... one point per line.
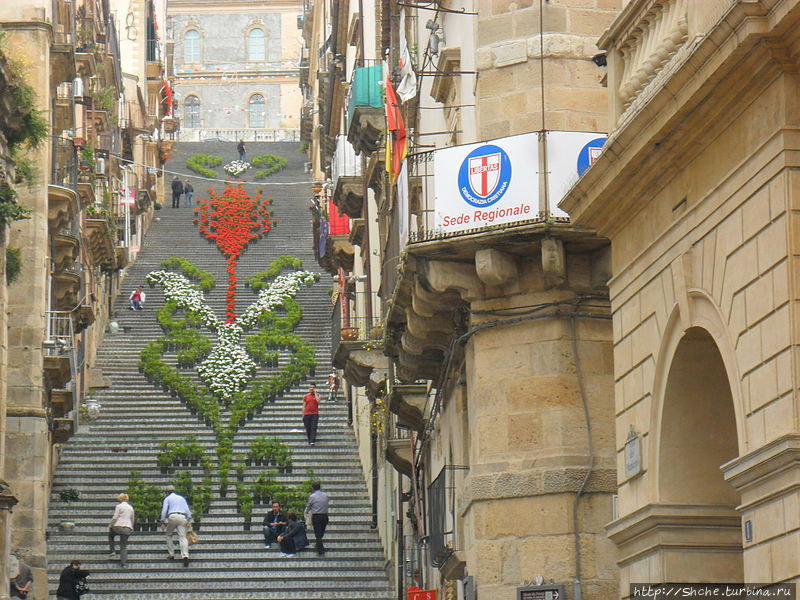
x=414, y=593
x=569, y=154
x=490, y=183
x=127, y=198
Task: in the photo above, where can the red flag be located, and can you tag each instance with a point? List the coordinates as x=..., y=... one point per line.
x=396, y=133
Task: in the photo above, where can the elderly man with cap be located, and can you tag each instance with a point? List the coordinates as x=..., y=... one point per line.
x=176, y=516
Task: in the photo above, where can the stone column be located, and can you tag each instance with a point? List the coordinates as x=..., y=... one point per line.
x=27, y=433
x=528, y=395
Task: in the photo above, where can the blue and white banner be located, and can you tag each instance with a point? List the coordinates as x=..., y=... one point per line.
x=490, y=183
x=569, y=154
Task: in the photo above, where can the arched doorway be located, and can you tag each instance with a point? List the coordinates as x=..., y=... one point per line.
x=698, y=435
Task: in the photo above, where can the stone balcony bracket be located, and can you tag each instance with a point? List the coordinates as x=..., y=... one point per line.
x=57, y=371
x=66, y=289
x=357, y=230
x=62, y=207
x=86, y=193
x=366, y=129
x=66, y=248
x=398, y=453
x=62, y=429
x=101, y=246
x=358, y=360
x=61, y=402
x=83, y=317
x=7, y=498
x=408, y=402
x=348, y=195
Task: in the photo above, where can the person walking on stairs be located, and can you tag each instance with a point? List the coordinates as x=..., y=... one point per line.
x=176, y=517
x=177, y=190
x=317, y=506
x=121, y=525
x=311, y=413
x=293, y=539
x=68, y=581
x=188, y=191
x=241, y=150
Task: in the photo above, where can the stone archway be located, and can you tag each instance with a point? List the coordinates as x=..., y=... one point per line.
x=697, y=435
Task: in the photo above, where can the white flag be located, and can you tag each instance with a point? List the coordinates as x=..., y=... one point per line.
x=407, y=88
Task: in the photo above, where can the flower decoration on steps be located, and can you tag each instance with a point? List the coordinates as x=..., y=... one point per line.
x=236, y=167
x=227, y=395
x=233, y=220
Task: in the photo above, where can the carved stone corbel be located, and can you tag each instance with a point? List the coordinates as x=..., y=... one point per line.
x=554, y=262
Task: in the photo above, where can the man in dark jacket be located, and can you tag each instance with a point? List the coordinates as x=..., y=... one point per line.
x=293, y=539
x=177, y=190
x=274, y=523
x=70, y=576
x=240, y=148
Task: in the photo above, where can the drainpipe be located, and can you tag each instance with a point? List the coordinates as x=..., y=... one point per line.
x=373, y=437
x=401, y=558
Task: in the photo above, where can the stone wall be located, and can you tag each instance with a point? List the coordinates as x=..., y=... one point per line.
x=509, y=61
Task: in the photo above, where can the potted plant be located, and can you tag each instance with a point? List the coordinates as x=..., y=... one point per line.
x=349, y=333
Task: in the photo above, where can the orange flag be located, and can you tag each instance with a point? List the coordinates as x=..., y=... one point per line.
x=395, y=133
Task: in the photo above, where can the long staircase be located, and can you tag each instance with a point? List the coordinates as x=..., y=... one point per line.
x=229, y=563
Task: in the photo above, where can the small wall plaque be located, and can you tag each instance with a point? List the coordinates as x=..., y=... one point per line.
x=541, y=592
x=633, y=454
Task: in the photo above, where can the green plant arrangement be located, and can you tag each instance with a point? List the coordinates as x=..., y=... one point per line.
x=186, y=451
x=104, y=98
x=13, y=264
x=269, y=452
x=303, y=147
x=244, y=503
x=146, y=501
x=69, y=495
x=205, y=280
x=269, y=163
x=261, y=279
x=202, y=164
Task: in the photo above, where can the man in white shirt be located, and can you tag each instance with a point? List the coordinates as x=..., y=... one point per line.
x=176, y=516
x=122, y=525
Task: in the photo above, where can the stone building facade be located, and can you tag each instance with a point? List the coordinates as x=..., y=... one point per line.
x=479, y=364
x=697, y=192
x=73, y=248
x=235, y=66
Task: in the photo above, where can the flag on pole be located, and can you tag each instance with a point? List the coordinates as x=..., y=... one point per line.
x=395, y=132
x=407, y=88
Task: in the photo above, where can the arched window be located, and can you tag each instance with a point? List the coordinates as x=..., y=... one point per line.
x=256, y=108
x=191, y=46
x=191, y=111
x=255, y=45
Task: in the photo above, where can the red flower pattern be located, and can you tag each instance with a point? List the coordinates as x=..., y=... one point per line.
x=233, y=220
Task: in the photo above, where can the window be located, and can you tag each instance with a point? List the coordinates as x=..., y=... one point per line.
x=191, y=112
x=191, y=46
x=255, y=45
x=256, y=108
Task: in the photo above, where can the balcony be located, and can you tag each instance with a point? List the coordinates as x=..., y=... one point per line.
x=366, y=119
x=348, y=181
x=83, y=317
x=62, y=207
x=101, y=247
x=86, y=193
x=67, y=288
x=408, y=403
x=61, y=402
x=62, y=430
x=66, y=248
x=359, y=353
x=399, y=452
x=57, y=370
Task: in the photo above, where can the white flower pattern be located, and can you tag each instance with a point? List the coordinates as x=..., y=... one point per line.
x=229, y=368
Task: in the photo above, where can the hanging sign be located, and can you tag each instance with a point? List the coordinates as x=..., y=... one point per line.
x=414, y=593
x=491, y=183
x=569, y=154
x=541, y=592
x=128, y=197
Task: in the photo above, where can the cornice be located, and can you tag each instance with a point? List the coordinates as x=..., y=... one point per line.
x=713, y=83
